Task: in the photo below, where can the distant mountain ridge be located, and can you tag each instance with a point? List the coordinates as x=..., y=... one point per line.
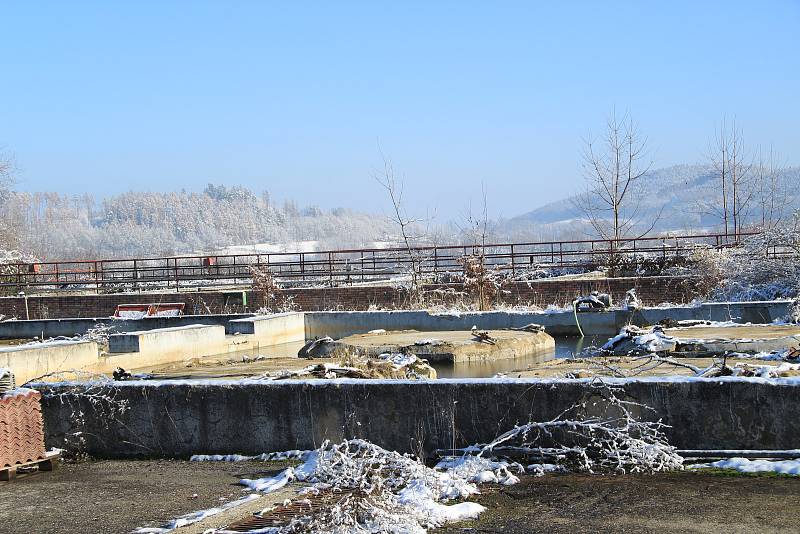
x=678, y=188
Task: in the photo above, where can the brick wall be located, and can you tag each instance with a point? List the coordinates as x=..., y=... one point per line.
x=652, y=290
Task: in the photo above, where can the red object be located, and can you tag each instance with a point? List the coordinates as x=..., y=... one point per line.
x=21, y=427
x=34, y=268
x=140, y=310
x=209, y=261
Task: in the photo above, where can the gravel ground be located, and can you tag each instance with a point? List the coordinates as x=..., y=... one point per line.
x=667, y=502
x=119, y=496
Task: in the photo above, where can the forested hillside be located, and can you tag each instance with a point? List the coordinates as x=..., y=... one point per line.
x=54, y=226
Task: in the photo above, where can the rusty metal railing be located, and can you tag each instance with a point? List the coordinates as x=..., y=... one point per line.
x=336, y=267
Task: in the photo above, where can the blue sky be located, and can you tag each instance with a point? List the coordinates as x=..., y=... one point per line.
x=296, y=97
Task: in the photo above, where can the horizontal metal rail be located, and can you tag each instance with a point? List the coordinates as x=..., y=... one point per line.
x=336, y=267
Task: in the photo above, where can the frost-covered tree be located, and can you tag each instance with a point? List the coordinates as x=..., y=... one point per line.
x=56, y=226
x=616, y=169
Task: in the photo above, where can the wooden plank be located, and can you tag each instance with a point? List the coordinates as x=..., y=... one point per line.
x=48, y=463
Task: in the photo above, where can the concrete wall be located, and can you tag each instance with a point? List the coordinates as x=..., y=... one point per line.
x=48, y=328
x=341, y=324
x=274, y=329
x=170, y=344
x=740, y=312
x=252, y=417
x=28, y=362
x=284, y=328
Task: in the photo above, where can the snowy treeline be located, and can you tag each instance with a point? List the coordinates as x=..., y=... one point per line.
x=55, y=226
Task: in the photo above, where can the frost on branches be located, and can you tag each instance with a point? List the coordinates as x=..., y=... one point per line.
x=10, y=261
x=599, y=434
x=377, y=491
x=765, y=267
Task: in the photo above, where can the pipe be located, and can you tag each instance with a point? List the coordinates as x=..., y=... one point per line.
x=575, y=313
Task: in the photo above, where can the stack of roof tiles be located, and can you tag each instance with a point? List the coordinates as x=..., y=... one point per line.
x=21, y=428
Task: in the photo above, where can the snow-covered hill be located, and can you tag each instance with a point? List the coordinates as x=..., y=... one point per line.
x=681, y=190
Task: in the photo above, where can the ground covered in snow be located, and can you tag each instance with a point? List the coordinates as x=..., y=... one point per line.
x=119, y=496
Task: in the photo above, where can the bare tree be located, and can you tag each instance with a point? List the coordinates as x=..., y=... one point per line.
x=733, y=203
x=479, y=280
x=405, y=224
x=616, y=173
x=771, y=192
x=741, y=183
x=8, y=237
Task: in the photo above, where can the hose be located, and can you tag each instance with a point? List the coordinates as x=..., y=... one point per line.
x=575, y=312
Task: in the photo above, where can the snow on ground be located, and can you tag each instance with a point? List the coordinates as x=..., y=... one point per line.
x=743, y=465
x=399, y=360
x=540, y=469
x=290, y=247
x=270, y=484
x=404, y=492
x=653, y=341
x=265, y=457
x=481, y=470
x=194, y=517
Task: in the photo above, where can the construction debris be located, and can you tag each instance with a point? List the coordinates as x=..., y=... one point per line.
x=634, y=340
x=532, y=327
x=398, y=366
x=317, y=348
x=6, y=380
x=594, y=301
x=482, y=337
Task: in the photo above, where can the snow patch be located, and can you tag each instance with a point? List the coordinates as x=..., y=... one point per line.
x=194, y=517
x=743, y=465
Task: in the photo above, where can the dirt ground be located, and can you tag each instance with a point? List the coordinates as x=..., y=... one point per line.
x=227, y=367
x=757, y=331
x=410, y=337
x=232, y=367
x=586, y=367
x=104, y=497
x=119, y=496
x=674, y=502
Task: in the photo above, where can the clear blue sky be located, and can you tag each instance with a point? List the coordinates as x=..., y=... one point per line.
x=294, y=97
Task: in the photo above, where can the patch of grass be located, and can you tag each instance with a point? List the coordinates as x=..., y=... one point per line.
x=717, y=471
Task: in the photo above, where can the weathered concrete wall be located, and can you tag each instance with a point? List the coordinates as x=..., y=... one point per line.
x=170, y=344
x=341, y=324
x=47, y=328
x=191, y=417
x=274, y=329
x=739, y=312
x=28, y=362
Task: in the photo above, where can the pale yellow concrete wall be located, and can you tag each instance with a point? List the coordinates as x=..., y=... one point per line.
x=268, y=330
x=37, y=360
